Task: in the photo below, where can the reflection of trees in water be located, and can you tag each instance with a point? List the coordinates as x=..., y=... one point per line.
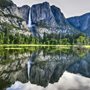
x=45, y=65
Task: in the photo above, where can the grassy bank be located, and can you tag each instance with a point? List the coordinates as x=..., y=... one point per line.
x=21, y=46
x=42, y=45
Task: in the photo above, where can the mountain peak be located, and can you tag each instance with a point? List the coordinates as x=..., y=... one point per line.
x=41, y=14
x=46, y=3
x=59, y=17
x=43, y=4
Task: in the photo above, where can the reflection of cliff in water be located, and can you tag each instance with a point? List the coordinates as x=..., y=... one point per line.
x=81, y=67
x=40, y=67
x=50, y=67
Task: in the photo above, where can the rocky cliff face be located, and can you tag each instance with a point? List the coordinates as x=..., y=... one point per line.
x=49, y=68
x=82, y=23
x=58, y=15
x=5, y=3
x=49, y=19
x=41, y=14
x=44, y=18
x=44, y=14
x=24, y=11
x=11, y=18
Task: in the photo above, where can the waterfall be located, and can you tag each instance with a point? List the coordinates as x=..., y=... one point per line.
x=29, y=19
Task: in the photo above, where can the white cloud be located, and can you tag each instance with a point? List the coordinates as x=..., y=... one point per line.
x=68, y=81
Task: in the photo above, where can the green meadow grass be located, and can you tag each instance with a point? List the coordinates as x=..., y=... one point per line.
x=21, y=46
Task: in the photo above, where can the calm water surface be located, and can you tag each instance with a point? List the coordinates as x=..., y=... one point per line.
x=45, y=68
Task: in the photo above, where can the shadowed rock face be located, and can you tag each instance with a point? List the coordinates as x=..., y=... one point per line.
x=39, y=67
x=42, y=14
x=58, y=15
x=11, y=16
x=12, y=19
x=24, y=11
x=49, y=19
x=5, y=3
x=82, y=23
x=44, y=18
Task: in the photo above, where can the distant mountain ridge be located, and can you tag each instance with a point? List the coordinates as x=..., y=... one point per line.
x=81, y=23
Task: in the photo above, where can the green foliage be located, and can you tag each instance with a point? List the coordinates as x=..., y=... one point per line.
x=7, y=38
x=49, y=39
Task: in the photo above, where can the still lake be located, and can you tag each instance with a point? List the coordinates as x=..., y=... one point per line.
x=45, y=68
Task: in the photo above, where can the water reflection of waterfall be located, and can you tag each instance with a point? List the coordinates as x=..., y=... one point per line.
x=29, y=19
x=29, y=67
x=30, y=63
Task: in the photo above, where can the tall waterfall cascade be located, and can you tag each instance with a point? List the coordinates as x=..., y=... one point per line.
x=29, y=19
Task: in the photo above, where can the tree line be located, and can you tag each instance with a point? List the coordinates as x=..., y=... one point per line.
x=49, y=39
